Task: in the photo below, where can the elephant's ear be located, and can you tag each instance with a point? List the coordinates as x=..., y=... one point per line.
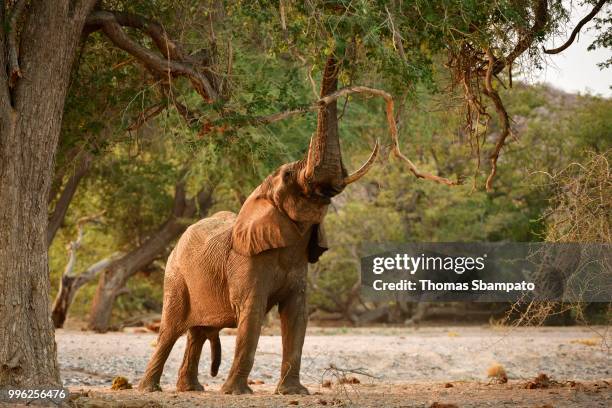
x=261, y=226
x=317, y=244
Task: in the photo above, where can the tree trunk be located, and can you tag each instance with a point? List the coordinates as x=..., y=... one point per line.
x=113, y=279
x=31, y=106
x=62, y=301
x=63, y=202
x=69, y=286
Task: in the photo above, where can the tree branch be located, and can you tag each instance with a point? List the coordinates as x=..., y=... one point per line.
x=180, y=198
x=237, y=121
x=577, y=29
x=93, y=270
x=276, y=117
x=147, y=114
x=392, y=128
x=492, y=94
x=175, y=62
x=71, y=282
x=61, y=206
x=267, y=119
x=524, y=42
x=188, y=116
x=76, y=244
x=397, y=38
x=200, y=203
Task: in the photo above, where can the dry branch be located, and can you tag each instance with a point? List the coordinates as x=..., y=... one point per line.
x=474, y=67
x=526, y=39
x=344, y=371
x=145, y=115
x=492, y=94
x=577, y=29
x=72, y=282
x=275, y=117
x=63, y=202
x=397, y=38
x=392, y=127
x=174, y=63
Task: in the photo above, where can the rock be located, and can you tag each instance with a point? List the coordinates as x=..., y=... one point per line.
x=443, y=405
x=541, y=381
x=121, y=383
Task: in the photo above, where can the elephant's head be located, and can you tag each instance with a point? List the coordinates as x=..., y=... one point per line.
x=296, y=196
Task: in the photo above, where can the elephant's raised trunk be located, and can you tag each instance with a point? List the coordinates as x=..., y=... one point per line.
x=324, y=158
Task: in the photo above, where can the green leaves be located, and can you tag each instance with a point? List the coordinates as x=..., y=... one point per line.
x=270, y=61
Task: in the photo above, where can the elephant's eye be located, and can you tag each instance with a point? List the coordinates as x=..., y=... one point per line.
x=287, y=175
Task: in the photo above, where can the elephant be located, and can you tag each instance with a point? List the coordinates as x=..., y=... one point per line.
x=229, y=270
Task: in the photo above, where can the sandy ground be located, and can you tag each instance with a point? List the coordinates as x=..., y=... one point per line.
x=403, y=366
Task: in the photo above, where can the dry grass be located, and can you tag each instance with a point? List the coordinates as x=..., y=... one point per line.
x=579, y=211
x=497, y=373
x=582, y=202
x=121, y=383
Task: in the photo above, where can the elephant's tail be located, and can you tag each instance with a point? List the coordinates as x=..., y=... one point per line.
x=215, y=353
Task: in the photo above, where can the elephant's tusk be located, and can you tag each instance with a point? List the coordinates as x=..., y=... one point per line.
x=365, y=168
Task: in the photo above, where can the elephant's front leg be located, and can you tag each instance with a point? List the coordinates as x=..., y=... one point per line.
x=294, y=319
x=250, y=318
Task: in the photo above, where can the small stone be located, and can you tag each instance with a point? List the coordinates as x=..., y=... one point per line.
x=349, y=380
x=121, y=383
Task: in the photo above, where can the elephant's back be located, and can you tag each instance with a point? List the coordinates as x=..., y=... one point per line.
x=205, y=240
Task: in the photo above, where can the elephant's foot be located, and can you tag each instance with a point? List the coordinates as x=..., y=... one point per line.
x=189, y=385
x=236, y=387
x=149, y=386
x=291, y=387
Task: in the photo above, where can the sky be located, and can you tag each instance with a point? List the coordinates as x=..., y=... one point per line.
x=575, y=69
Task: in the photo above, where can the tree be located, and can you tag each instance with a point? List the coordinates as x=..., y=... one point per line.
x=37, y=53
x=32, y=94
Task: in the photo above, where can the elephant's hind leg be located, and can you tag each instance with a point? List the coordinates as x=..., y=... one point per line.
x=188, y=373
x=172, y=327
x=165, y=342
